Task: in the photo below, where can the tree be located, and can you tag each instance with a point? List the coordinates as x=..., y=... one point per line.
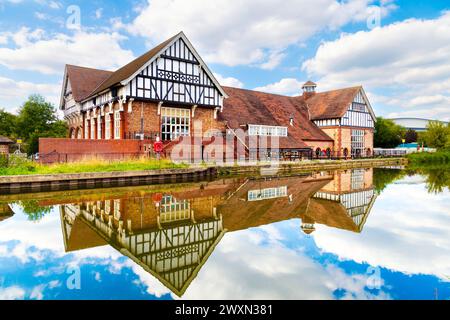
x=37, y=119
x=411, y=136
x=387, y=133
x=421, y=139
x=437, y=135
x=447, y=143
x=8, y=124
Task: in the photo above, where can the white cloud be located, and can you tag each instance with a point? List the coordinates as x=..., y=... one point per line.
x=3, y=39
x=14, y=93
x=287, y=86
x=12, y=293
x=401, y=235
x=51, y=4
x=46, y=235
x=273, y=60
x=38, y=292
x=41, y=16
x=228, y=81
x=260, y=266
x=410, y=60
x=55, y=4
x=99, y=13
x=248, y=31
x=37, y=51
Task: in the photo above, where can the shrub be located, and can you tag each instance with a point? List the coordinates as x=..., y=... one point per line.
x=3, y=161
x=440, y=157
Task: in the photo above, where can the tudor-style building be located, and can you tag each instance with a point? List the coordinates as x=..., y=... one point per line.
x=345, y=115
x=168, y=89
x=161, y=93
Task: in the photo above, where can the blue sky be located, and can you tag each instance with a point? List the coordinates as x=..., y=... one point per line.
x=398, y=50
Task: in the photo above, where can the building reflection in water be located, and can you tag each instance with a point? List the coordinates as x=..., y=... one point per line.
x=171, y=235
x=5, y=211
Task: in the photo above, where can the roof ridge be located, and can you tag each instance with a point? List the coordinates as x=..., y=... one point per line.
x=131, y=63
x=340, y=89
x=89, y=68
x=258, y=91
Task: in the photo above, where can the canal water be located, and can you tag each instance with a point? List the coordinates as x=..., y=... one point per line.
x=379, y=233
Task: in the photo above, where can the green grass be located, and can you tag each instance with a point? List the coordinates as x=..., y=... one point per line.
x=424, y=158
x=25, y=167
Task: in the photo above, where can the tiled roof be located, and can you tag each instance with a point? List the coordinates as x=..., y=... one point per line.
x=128, y=70
x=84, y=80
x=5, y=140
x=245, y=107
x=331, y=104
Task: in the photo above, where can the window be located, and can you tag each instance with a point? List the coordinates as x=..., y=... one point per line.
x=357, y=179
x=358, y=107
x=269, y=193
x=86, y=129
x=174, y=210
x=357, y=142
x=92, y=128
x=117, y=209
x=107, y=207
x=178, y=91
x=260, y=130
x=117, y=125
x=359, y=103
x=99, y=127
x=175, y=123
x=107, y=126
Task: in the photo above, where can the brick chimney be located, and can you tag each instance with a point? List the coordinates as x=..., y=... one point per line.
x=309, y=89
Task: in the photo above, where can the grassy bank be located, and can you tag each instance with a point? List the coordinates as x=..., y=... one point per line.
x=437, y=158
x=26, y=167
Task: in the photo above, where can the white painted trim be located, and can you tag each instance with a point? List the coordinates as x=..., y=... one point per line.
x=369, y=106
x=130, y=105
x=194, y=52
x=66, y=77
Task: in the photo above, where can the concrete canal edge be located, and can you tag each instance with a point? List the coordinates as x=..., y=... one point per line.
x=93, y=180
x=286, y=168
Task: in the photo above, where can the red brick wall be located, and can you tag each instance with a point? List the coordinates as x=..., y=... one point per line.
x=4, y=149
x=206, y=116
x=150, y=116
x=75, y=150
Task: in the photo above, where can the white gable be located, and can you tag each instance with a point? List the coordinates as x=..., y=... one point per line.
x=359, y=113
x=176, y=74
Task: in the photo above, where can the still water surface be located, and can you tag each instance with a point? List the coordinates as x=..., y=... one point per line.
x=356, y=234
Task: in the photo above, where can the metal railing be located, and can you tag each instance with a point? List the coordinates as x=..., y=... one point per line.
x=389, y=152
